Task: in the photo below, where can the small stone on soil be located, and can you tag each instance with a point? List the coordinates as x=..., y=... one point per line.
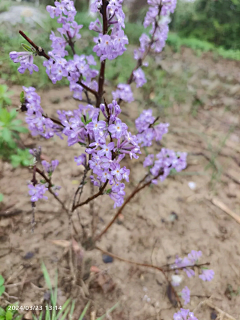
x=107, y=259
x=28, y=255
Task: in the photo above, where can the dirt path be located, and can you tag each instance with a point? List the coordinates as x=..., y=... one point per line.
x=147, y=232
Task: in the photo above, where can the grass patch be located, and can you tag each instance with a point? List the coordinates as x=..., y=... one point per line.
x=199, y=46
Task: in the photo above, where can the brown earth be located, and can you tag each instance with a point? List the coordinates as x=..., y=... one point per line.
x=146, y=232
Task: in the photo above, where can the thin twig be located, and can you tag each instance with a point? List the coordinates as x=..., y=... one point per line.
x=100, y=192
x=41, y=52
x=137, y=189
x=50, y=185
x=142, y=265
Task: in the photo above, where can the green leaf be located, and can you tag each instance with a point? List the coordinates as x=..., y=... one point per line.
x=84, y=311
x=108, y=191
x=22, y=97
x=9, y=315
x=2, y=312
x=19, y=317
x=6, y=135
x=110, y=310
x=13, y=114
x=27, y=47
x=20, y=129
x=46, y=276
x=1, y=199
x=65, y=314
x=83, y=120
x=63, y=308
x=2, y=317
x=1, y=280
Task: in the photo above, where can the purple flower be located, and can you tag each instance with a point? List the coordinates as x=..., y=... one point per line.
x=148, y=160
x=139, y=77
x=118, y=129
x=207, y=275
x=25, y=59
x=194, y=256
x=50, y=167
x=186, y=295
x=184, y=314
x=118, y=172
x=81, y=160
x=123, y=92
x=37, y=192
x=106, y=150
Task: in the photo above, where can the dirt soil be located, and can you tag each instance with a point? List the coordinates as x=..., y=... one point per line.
x=147, y=231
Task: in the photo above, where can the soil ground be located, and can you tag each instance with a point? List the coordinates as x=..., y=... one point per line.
x=146, y=232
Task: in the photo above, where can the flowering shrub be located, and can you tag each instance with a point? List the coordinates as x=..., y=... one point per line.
x=98, y=126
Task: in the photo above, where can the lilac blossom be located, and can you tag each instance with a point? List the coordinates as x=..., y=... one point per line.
x=123, y=92
x=184, y=314
x=37, y=123
x=25, y=59
x=37, y=192
x=81, y=160
x=50, y=167
x=185, y=293
x=149, y=160
x=207, y=275
x=148, y=130
x=139, y=77
x=110, y=45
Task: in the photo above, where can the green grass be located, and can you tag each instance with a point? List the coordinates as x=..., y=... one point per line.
x=199, y=46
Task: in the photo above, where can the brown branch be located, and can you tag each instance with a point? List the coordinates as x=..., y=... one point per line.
x=142, y=265
x=100, y=192
x=41, y=52
x=103, y=63
x=80, y=188
x=190, y=266
x=137, y=189
x=50, y=185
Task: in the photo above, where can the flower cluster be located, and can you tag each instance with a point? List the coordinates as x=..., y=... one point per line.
x=109, y=45
x=186, y=295
x=191, y=260
x=184, y=314
x=37, y=123
x=166, y=161
x=25, y=59
x=158, y=17
x=123, y=92
x=110, y=141
x=148, y=130
x=37, y=192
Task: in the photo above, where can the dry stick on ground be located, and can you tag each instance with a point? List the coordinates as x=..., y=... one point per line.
x=142, y=265
x=223, y=314
x=224, y=208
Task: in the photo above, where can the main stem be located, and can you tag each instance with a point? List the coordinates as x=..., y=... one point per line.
x=103, y=63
